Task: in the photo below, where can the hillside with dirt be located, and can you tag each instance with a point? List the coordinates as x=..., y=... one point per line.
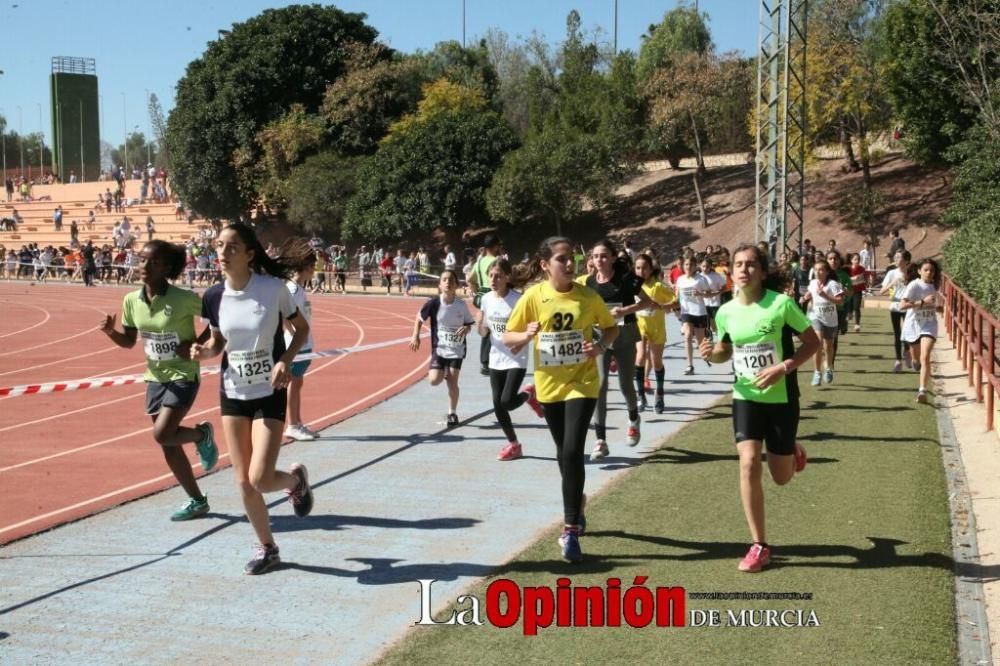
x=658, y=209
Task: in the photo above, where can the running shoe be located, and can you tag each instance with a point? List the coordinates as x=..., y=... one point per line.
x=511, y=451
x=908, y=361
x=452, y=421
x=756, y=559
x=191, y=509
x=299, y=433
x=689, y=370
x=800, y=457
x=857, y=328
x=208, y=452
x=916, y=366
x=632, y=434
x=600, y=450
x=570, y=542
x=532, y=401
x=302, y=497
x=828, y=376
x=922, y=396
x=264, y=559
x=659, y=407
x=897, y=367
x=817, y=378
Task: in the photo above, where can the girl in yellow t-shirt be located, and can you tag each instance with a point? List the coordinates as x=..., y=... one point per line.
x=559, y=315
x=652, y=329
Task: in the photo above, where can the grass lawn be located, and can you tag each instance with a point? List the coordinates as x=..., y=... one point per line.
x=864, y=529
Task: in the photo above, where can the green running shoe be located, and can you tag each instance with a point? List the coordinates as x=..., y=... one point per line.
x=208, y=452
x=191, y=509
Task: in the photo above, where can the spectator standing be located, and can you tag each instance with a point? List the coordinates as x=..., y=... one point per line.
x=9, y=185
x=57, y=217
x=896, y=244
x=150, y=227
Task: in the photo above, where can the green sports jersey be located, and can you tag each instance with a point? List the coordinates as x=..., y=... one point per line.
x=762, y=335
x=163, y=324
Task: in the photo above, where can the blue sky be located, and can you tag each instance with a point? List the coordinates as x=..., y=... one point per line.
x=145, y=46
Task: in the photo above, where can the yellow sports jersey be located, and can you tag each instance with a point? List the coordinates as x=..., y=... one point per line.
x=566, y=321
x=652, y=322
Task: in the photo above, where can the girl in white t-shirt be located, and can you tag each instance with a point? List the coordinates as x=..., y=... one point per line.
x=507, y=369
x=245, y=314
x=894, y=283
x=450, y=321
x=921, y=303
x=691, y=288
x=717, y=282
x=824, y=295
x=298, y=287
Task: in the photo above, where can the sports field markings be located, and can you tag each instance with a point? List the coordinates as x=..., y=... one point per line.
x=22, y=330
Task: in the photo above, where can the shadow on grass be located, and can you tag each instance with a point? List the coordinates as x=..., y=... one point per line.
x=882, y=554
x=334, y=522
x=674, y=456
x=841, y=437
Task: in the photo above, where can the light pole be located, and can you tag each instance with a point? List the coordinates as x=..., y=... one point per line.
x=149, y=158
x=20, y=140
x=125, y=128
x=41, y=150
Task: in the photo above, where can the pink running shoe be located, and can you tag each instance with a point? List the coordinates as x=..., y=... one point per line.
x=756, y=558
x=800, y=458
x=511, y=451
x=536, y=406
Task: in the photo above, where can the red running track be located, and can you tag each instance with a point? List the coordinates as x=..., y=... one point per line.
x=67, y=455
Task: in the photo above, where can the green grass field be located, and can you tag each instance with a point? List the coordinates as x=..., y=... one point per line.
x=864, y=529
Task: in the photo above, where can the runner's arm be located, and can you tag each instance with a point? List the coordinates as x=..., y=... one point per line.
x=415, y=340
x=608, y=337
x=216, y=343
x=719, y=352
x=124, y=339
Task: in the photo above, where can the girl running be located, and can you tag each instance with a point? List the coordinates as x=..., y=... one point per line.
x=450, y=321
x=652, y=328
x=691, y=289
x=717, y=284
x=162, y=315
x=298, y=285
x=245, y=313
x=893, y=284
x=559, y=315
x=921, y=303
x=755, y=330
x=824, y=293
x=859, y=282
x=622, y=292
x=507, y=369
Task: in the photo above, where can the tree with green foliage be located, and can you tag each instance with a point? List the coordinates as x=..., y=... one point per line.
x=140, y=151
x=919, y=85
x=432, y=173
x=244, y=81
x=318, y=191
x=682, y=30
x=466, y=66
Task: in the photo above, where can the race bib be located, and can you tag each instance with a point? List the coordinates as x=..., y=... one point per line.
x=160, y=346
x=249, y=368
x=924, y=315
x=748, y=360
x=619, y=320
x=450, y=344
x=497, y=325
x=560, y=348
x=824, y=311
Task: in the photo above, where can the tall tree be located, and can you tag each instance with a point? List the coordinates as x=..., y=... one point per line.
x=159, y=124
x=241, y=83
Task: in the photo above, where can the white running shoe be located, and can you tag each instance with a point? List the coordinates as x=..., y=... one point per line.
x=299, y=433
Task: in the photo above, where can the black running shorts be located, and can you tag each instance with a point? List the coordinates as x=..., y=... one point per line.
x=270, y=407
x=775, y=424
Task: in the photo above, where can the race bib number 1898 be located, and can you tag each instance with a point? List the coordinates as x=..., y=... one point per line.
x=160, y=346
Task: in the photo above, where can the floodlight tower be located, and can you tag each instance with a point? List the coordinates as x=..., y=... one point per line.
x=781, y=123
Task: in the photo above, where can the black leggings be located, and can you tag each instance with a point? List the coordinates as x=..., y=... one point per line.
x=568, y=424
x=856, y=306
x=507, y=396
x=897, y=329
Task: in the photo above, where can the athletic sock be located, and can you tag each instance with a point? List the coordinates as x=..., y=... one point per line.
x=639, y=383
x=659, y=380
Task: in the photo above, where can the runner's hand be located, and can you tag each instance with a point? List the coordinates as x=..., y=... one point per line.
x=415, y=344
x=591, y=350
x=463, y=331
x=108, y=325
x=705, y=348
x=279, y=375
x=769, y=376
x=194, y=350
x=184, y=350
x=532, y=329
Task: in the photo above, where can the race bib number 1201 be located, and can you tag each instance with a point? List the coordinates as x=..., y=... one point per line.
x=748, y=360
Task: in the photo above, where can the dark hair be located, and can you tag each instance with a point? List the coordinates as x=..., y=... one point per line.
x=608, y=245
x=840, y=259
x=279, y=267
x=937, y=270
x=297, y=254
x=772, y=279
x=544, y=253
x=829, y=270
x=905, y=254
x=653, y=264
x=517, y=276
x=491, y=240
x=174, y=256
